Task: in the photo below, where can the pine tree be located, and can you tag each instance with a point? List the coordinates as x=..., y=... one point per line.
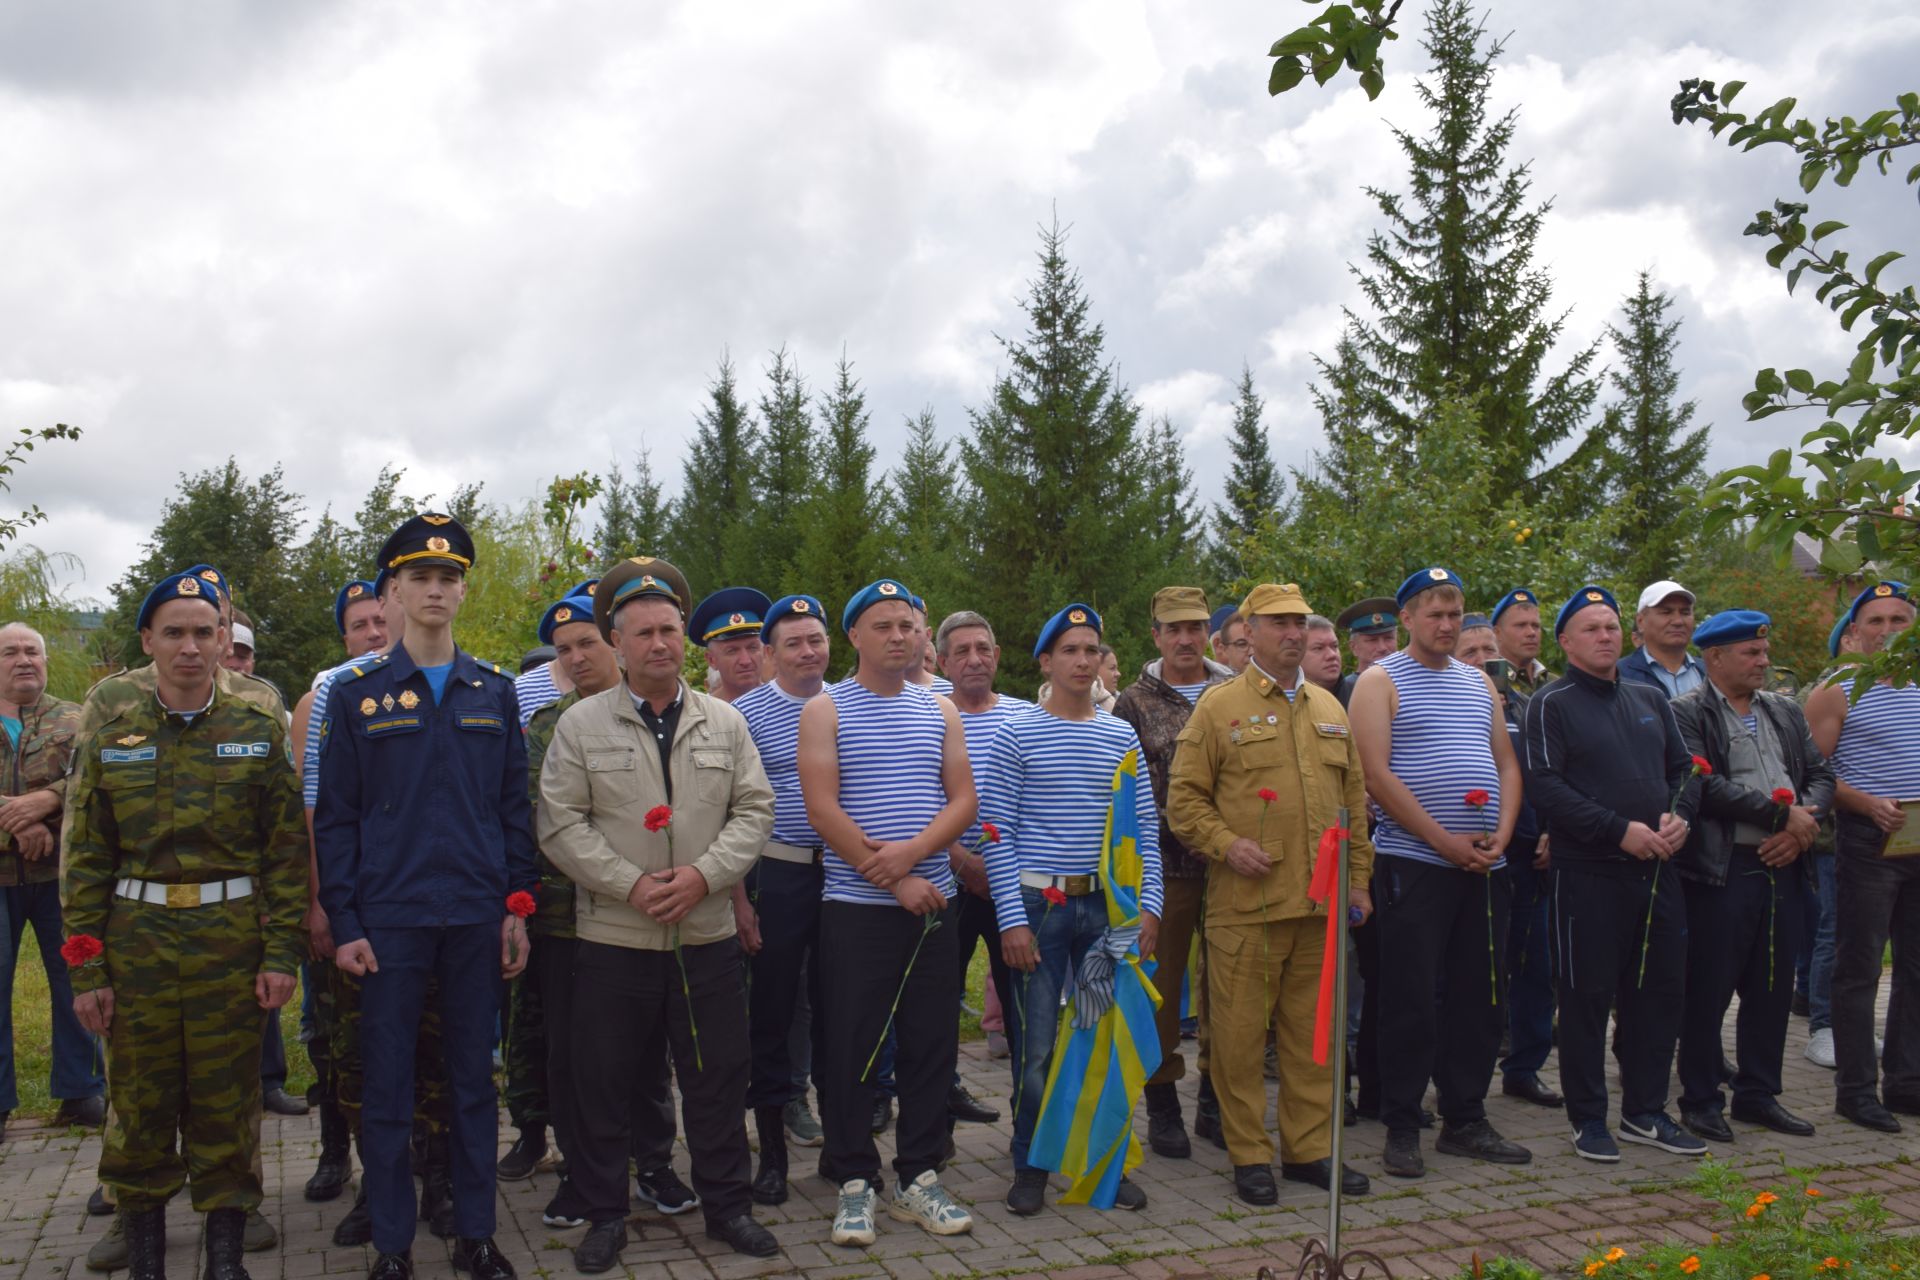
x=1460, y=307
x=840, y=543
x=925, y=510
x=1175, y=526
x=782, y=479
x=1056, y=463
x=1255, y=491
x=716, y=491
x=1340, y=470
x=633, y=514
x=1649, y=457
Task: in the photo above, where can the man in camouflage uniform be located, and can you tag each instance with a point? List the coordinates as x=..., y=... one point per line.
x=184, y=837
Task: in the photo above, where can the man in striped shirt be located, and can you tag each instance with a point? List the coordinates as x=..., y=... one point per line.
x=784, y=885
x=1433, y=741
x=1876, y=758
x=1048, y=785
x=883, y=769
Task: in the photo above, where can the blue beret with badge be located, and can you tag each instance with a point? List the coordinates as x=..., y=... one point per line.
x=1519, y=595
x=1587, y=595
x=1476, y=622
x=577, y=608
x=1833, y=636
x=354, y=592
x=791, y=607
x=1221, y=617
x=873, y=593
x=428, y=539
x=187, y=585
x=730, y=611
x=1074, y=615
x=1427, y=580
x=1888, y=590
x=584, y=587
x=1732, y=626
x=207, y=573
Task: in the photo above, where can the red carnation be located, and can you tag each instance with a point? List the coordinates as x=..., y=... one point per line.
x=521, y=903
x=1478, y=798
x=80, y=949
x=1268, y=795
x=1055, y=895
x=658, y=817
x=1782, y=797
x=1701, y=767
x=991, y=832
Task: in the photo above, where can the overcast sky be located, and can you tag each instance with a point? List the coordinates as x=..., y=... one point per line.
x=494, y=241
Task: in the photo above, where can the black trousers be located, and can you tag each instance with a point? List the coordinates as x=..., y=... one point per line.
x=1442, y=966
x=864, y=957
x=1600, y=920
x=626, y=1002
x=1741, y=936
x=977, y=923
x=1877, y=900
x=1366, y=1048
x=786, y=896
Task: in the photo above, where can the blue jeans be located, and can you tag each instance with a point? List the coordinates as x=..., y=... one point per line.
x=1529, y=971
x=1820, y=966
x=1063, y=934
x=76, y=1068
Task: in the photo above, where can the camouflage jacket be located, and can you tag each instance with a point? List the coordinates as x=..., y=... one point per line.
x=1158, y=712
x=39, y=763
x=555, y=917
x=154, y=796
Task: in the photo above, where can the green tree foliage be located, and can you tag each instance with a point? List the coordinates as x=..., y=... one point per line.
x=1644, y=449
x=842, y=539
x=716, y=491
x=1255, y=491
x=12, y=459
x=782, y=482
x=1460, y=309
x=1340, y=35
x=633, y=515
x=31, y=592
x=927, y=522
x=1175, y=527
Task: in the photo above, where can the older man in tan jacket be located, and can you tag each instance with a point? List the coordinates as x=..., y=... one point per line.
x=654, y=803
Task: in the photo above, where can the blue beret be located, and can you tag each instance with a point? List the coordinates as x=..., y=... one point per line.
x=1519, y=595
x=584, y=587
x=730, y=611
x=1833, y=636
x=181, y=586
x=1074, y=615
x=358, y=589
x=1731, y=626
x=1424, y=580
x=919, y=604
x=1579, y=600
x=576, y=608
x=381, y=579
x=792, y=607
x=429, y=539
x=1475, y=621
x=1888, y=590
x=1221, y=617
x=871, y=594
x=207, y=573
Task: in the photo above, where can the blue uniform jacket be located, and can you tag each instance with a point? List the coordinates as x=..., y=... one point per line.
x=423, y=818
x=1638, y=667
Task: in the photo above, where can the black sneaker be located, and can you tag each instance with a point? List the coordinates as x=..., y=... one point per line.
x=1402, y=1157
x=882, y=1112
x=663, y=1189
x=962, y=1105
x=564, y=1209
x=1659, y=1130
x=523, y=1157
x=1028, y=1194
x=89, y=1113
x=1128, y=1196
x=1591, y=1141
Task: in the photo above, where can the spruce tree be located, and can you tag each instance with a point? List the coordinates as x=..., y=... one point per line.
x=633, y=514
x=1459, y=307
x=925, y=509
x=841, y=539
x=1255, y=491
x=716, y=489
x=782, y=479
x=1175, y=526
x=1648, y=455
x=1057, y=464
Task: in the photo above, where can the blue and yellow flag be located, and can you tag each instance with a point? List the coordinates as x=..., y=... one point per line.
x=1106, y=1046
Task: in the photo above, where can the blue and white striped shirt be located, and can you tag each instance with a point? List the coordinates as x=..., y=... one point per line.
x=316, y=720
x=941, y=685
x=535, y=689
x=1191, y=692
x=1049, y=783
x=1442, y=749
x=891, y=755
x=1879, y=747
x=980, y=729
x=773, y=718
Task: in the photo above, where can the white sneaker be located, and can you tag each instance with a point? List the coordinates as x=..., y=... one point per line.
x=853, y=1220
x=926, y=1202
x=1820, y=1048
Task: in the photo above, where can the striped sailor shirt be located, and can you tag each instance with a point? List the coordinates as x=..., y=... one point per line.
x=773, y=718
x=891, y=752
x=1442, y=749
x=1879, y=748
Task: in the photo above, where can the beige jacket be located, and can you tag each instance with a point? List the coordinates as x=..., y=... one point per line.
x=600, y=778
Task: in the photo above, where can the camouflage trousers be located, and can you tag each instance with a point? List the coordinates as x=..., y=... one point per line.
x=525, y=1051
x=183, y=1055
x=340, y=1015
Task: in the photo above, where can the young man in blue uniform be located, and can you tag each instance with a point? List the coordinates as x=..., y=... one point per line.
x=422, y=832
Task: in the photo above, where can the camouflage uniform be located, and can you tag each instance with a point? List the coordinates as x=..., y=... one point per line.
x=155, y=797
x=430, y=1064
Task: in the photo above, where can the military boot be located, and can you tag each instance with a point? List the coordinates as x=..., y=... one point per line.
x=436, y=1188
x=146, y=1233
x=1166, y=1131
x=330, y=1175
x=226, y=1235
x=357, y=1227
x=109, y=1252
x=770, y=1184
x=1206, y=1115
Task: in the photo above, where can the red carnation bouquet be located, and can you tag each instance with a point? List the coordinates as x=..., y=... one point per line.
x=1698, y=767
x=82, y=951
x=1480, y=799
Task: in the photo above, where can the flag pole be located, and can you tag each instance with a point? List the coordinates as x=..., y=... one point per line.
x=1338, y=1053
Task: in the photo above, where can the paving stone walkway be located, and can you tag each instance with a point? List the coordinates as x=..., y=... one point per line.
x=1549, y=1211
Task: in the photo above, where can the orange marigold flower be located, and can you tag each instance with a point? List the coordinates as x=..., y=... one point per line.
x=1763, y=1276
x=1813, y=1191
x=1616, y=1253
x=1593, y=1268
x=1765, y=1197
x=1690, y=1263
x=1755, y=1210
x=1831, y=1264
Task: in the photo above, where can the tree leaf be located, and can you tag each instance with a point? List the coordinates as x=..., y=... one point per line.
x=1840, y=556
x=1826, y=229
x=1879, y=264
x=1287, y=72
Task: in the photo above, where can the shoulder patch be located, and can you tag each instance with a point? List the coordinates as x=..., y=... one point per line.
x=345, y=675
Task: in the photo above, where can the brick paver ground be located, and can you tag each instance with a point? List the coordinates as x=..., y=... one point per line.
x=1549, y=1211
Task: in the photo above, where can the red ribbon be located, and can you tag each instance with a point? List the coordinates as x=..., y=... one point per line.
x=1326, y=878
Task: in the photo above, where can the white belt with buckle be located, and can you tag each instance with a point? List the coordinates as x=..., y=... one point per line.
x=1072, y=886
x=185, y=895
x=791, y=853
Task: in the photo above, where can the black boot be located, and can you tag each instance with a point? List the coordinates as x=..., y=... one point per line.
x=330, y=1175
x=436, y=1188
x=226, y=1236
x=357, y=1227
x=1166, y=1131
x=146, y=1233
x=770, y=1184
x=1206, y=1115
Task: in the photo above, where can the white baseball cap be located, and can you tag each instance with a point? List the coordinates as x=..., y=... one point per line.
x=1659, y=591
x=242, y=636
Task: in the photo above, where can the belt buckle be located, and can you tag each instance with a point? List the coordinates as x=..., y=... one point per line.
x=1077, y=886
x=183, y=895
